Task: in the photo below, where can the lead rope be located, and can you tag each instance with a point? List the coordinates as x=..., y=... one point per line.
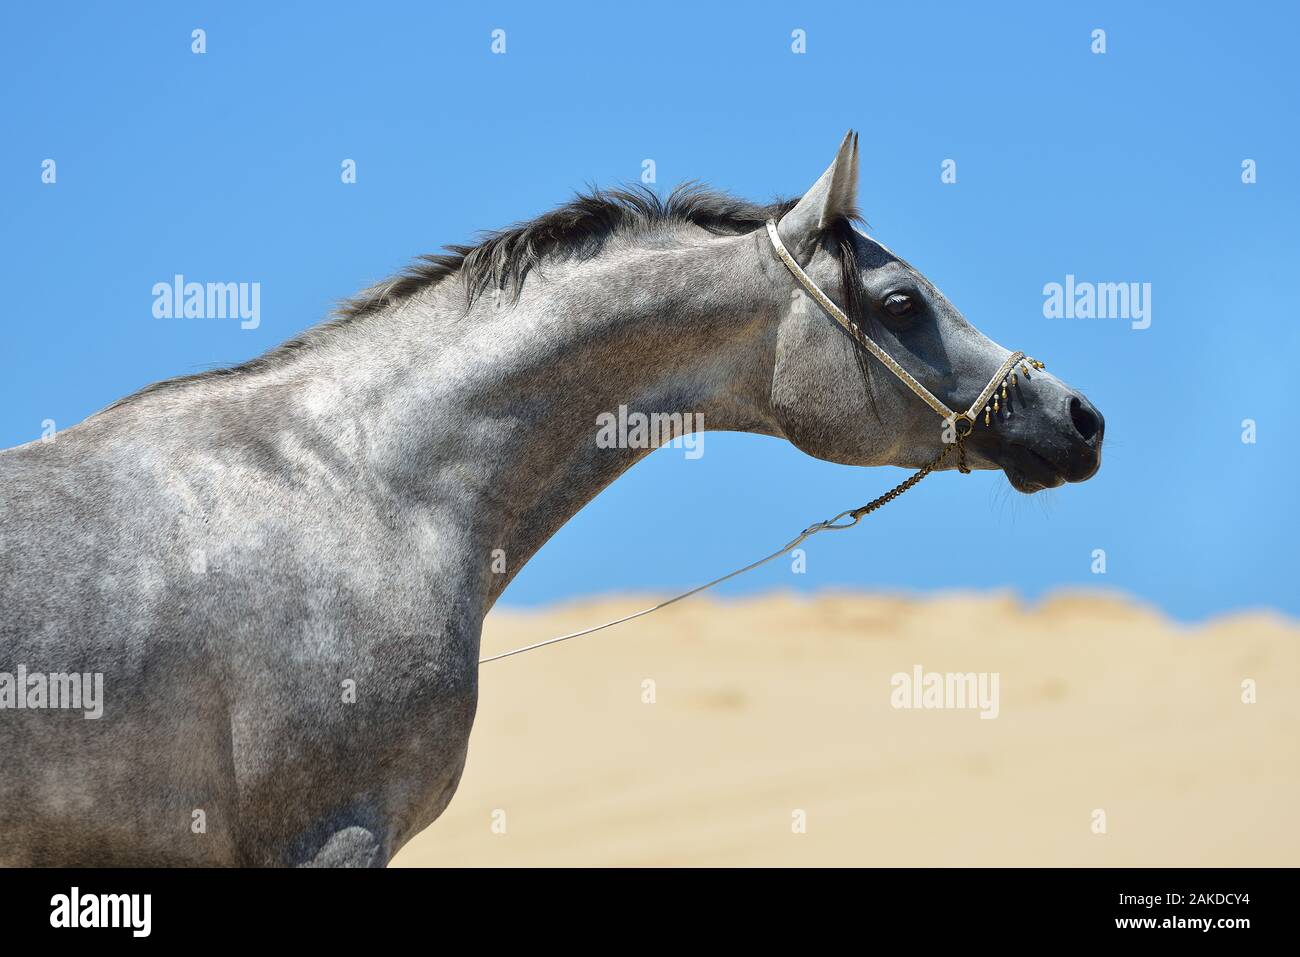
x=835, y=524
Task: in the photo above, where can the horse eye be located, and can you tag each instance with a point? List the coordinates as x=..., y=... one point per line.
x=898, y=305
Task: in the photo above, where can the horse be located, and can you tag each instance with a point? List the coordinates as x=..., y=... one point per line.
x=280, y=569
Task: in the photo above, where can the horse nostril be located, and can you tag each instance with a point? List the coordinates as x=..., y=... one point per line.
x=1085, y=418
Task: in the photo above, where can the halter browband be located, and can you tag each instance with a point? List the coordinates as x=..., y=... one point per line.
x=991, y=391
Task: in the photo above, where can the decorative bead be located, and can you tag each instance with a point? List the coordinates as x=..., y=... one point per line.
x=995, y=403
x=1004, y=390
x=986, y=415
x=1013, y=380
x=1025, y=369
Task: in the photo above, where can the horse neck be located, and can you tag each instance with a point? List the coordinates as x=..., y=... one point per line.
x=490, y=416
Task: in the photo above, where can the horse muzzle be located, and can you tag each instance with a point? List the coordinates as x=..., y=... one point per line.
x=1048, y=448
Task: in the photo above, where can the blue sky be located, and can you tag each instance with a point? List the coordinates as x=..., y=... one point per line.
x=1119, y=167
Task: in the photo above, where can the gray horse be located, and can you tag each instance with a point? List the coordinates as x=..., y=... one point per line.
x=280, y=570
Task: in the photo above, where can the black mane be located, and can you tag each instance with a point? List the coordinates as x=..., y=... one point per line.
x=578, y=229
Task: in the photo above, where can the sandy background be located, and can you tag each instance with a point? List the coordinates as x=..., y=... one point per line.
x=777, y=704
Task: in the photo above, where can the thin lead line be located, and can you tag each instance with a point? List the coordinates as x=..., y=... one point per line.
x=804, y=536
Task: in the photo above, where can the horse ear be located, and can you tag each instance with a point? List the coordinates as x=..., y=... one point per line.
x=833, y=196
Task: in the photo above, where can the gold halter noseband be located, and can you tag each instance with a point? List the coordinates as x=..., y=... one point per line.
x=992, y=401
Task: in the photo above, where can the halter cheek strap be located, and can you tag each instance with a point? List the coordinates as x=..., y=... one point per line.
x=962, y=422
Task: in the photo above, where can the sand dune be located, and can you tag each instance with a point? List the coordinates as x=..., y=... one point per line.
x=766, y=708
